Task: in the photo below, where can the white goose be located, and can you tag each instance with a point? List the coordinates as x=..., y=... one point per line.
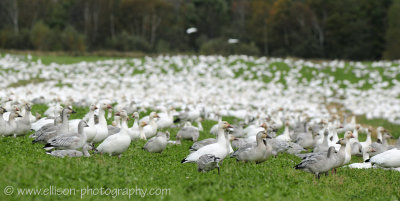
x=118, y=143
x=24, y=124
x=368, y=141
x=387, y=159
x=11, y=124
x=136, y=132
x=101, y=128
x=286, y=134
x=367, y=163
x=151, y=129
x=347, y=157
x=91, y=131
x=2, y=121
x=219, y=149
x=166, y=119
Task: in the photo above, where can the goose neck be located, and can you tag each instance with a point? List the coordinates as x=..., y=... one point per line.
x=102, y=119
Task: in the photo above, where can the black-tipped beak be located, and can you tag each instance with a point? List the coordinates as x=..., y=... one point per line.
x=19, y=115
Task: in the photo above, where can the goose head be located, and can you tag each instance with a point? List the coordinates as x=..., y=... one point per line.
x=68, y=110
x=105, y=106
x=154, y=115
x=135, y=115
x=369, y=149
x=262, y=134
x=341, y=141
x=123, y=114
x=82, y=124
x=14, y=115
x=143, y=124
x=387, y=136
x=2, y=110
x=348, y=135
x=224, y=125
x=27, y=107
x=93, y=107
x=187, y=123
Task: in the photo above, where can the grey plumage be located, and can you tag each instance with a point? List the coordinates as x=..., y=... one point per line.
x=207, y=162
x=187, y=132
x=197, y=145
x=68, y=140
x=318, y=163
x=46, y=127
x=71, y=152
x=158, y=143
x=113, y=130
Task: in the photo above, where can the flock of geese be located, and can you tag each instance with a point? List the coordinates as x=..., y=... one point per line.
x=252, y=139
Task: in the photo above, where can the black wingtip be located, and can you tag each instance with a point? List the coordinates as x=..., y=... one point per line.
x=33, y=141
x=47, y=145
x=367, y=161
x=184, y=160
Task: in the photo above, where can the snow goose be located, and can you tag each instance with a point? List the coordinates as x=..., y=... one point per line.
x=118, y=143
x=387, y=159
x=219, y=149
x=286, y=135
x=158, y=143
x=69, y=140
x=214, y=128
x=166, y=119
x=43, y=135
x=2, y=121
x=199, y=125
x=319, y=163
x=208, y=162
x=91, y=131
x=151, y=129
x=187, y=132
x=308, y=139
x=101, y=127
x=24, y=124
x=347, y=157
x=47, y=120
x=13, y=108
x=56, y=121
x=356, y=147
x=134, y=131
x=368, y=141
x=11, y=124
x=381, y=147
x=367, y=163
x=254, y=152
x=324, y=146
x=71, y=152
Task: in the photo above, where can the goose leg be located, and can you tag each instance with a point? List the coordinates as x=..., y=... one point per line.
x=218, y=170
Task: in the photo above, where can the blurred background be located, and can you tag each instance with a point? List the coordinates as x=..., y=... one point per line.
x=343, y=29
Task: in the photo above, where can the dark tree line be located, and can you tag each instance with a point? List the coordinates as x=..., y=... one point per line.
x=346, y=29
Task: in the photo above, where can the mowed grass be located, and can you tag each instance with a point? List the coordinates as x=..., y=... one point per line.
x=25, y=165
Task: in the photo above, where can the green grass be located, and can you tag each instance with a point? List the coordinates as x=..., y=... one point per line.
x=27, y=166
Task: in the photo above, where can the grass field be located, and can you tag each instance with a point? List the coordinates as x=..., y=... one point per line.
x=26, y=166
